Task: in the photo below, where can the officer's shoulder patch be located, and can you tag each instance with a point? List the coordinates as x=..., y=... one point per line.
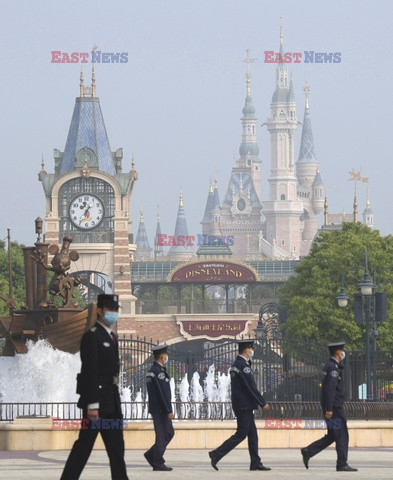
x=334, y=373
x=161, y=376
x=106, y=344
x=93, y=329
x=247, y=370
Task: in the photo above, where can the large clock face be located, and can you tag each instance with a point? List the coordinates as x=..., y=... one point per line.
x=86, y=211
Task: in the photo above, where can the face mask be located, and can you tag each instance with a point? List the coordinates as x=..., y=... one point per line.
x=342, y=356
x=111, y=317
x=166, y=360
x=251, y=355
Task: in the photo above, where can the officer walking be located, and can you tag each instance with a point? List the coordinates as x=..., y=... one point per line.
x=332, y=402
x=99, y=395
x=160, y=408
x=245, y=399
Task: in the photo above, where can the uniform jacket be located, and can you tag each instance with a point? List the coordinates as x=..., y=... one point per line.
x=159, y=390
x=244, y=391
x=332, y=393
x=100, y=363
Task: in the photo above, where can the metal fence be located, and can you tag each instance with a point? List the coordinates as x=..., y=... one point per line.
x=285, y=369
x=133, y=411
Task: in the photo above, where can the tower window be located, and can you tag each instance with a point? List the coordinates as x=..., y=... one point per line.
x=282, y=242
x=282, y=197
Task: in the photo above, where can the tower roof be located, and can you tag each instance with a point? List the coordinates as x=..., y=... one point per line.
x=216, y=198
x=209, y=204
x=158, y=249
x=283, y=92
x=142, y=242
x=307, y=152
x=180, y=229
x=87, y=136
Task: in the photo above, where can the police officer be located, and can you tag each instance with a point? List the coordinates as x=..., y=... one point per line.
x=332, y=402
x=245, y=399
x=160, y=408
x=99, y=395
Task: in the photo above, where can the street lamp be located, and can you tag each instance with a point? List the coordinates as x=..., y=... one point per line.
x=366, y=288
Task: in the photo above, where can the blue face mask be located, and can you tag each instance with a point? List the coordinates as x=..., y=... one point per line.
x=111, y=317
x=166, y=360
x=251, y=354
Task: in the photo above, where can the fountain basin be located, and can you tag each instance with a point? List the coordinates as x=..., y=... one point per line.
x=38, y=434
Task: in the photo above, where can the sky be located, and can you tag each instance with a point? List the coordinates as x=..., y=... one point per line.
x=176, y=104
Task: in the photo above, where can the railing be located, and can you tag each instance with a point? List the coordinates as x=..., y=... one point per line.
x=200, y=411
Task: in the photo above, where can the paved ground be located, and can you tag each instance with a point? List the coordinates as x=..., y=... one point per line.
x=194, y=464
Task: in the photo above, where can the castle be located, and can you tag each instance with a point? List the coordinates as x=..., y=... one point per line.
x=284, y=225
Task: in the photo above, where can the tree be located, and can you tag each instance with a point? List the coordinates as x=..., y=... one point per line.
x=18, y=276
x=310, y=295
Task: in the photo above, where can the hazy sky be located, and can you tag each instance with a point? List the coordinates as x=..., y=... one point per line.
x=176, y=105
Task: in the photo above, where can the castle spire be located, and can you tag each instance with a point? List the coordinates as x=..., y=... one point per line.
x=93, y=82
x=368, y=214
x=81, y=84
x=180, y=250
x=143, y=249
x=325, y=211
x=307, y=151
x=158, y=249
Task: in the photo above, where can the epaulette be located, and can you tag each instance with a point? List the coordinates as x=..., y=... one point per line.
x=93, y=329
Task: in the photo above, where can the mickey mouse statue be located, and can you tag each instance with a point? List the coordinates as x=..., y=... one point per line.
x=61, y=284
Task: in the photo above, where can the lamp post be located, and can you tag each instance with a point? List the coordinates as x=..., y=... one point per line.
x=366, y=288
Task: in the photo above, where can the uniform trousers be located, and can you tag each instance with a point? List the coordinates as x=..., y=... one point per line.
x=337, y=432
x=245, y=428
x=164, y=433
x=114, y=444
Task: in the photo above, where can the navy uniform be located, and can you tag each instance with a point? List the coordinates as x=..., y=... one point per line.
x=160, y=408
x=245, y=398
x=97, y=385
x=332, y=400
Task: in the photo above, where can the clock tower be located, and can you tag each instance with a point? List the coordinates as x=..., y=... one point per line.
x=88, y=198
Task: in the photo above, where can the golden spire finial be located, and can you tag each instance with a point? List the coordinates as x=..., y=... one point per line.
x=306, y=90
x=211, y=186
x=215, y=183
x=141, y=214
x=85, y=172
x=93, y=82
x=248, y=60
x=181, y=199
x=81, y=84
x=158, y=213
x=281, y=32
x=42, y=162
x=368, y=198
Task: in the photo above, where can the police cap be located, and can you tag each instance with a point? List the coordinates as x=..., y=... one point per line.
x=336, y=346
x=245, y=343
x=159, y=349
x=108, y=301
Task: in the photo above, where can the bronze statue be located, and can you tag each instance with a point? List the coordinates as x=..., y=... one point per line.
x=61, y=283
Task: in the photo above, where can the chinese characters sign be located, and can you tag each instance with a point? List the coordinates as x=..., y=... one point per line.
x=212, y=329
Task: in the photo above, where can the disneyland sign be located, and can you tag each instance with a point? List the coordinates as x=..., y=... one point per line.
x=213, y=272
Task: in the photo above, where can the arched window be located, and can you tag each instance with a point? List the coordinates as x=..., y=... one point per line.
x=282, y=197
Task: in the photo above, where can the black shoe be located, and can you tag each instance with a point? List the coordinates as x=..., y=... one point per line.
x=306, y=457
x=346, y=468
x=147, y=459
x=162, y=468
x=261, y=467
x=213, y=461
